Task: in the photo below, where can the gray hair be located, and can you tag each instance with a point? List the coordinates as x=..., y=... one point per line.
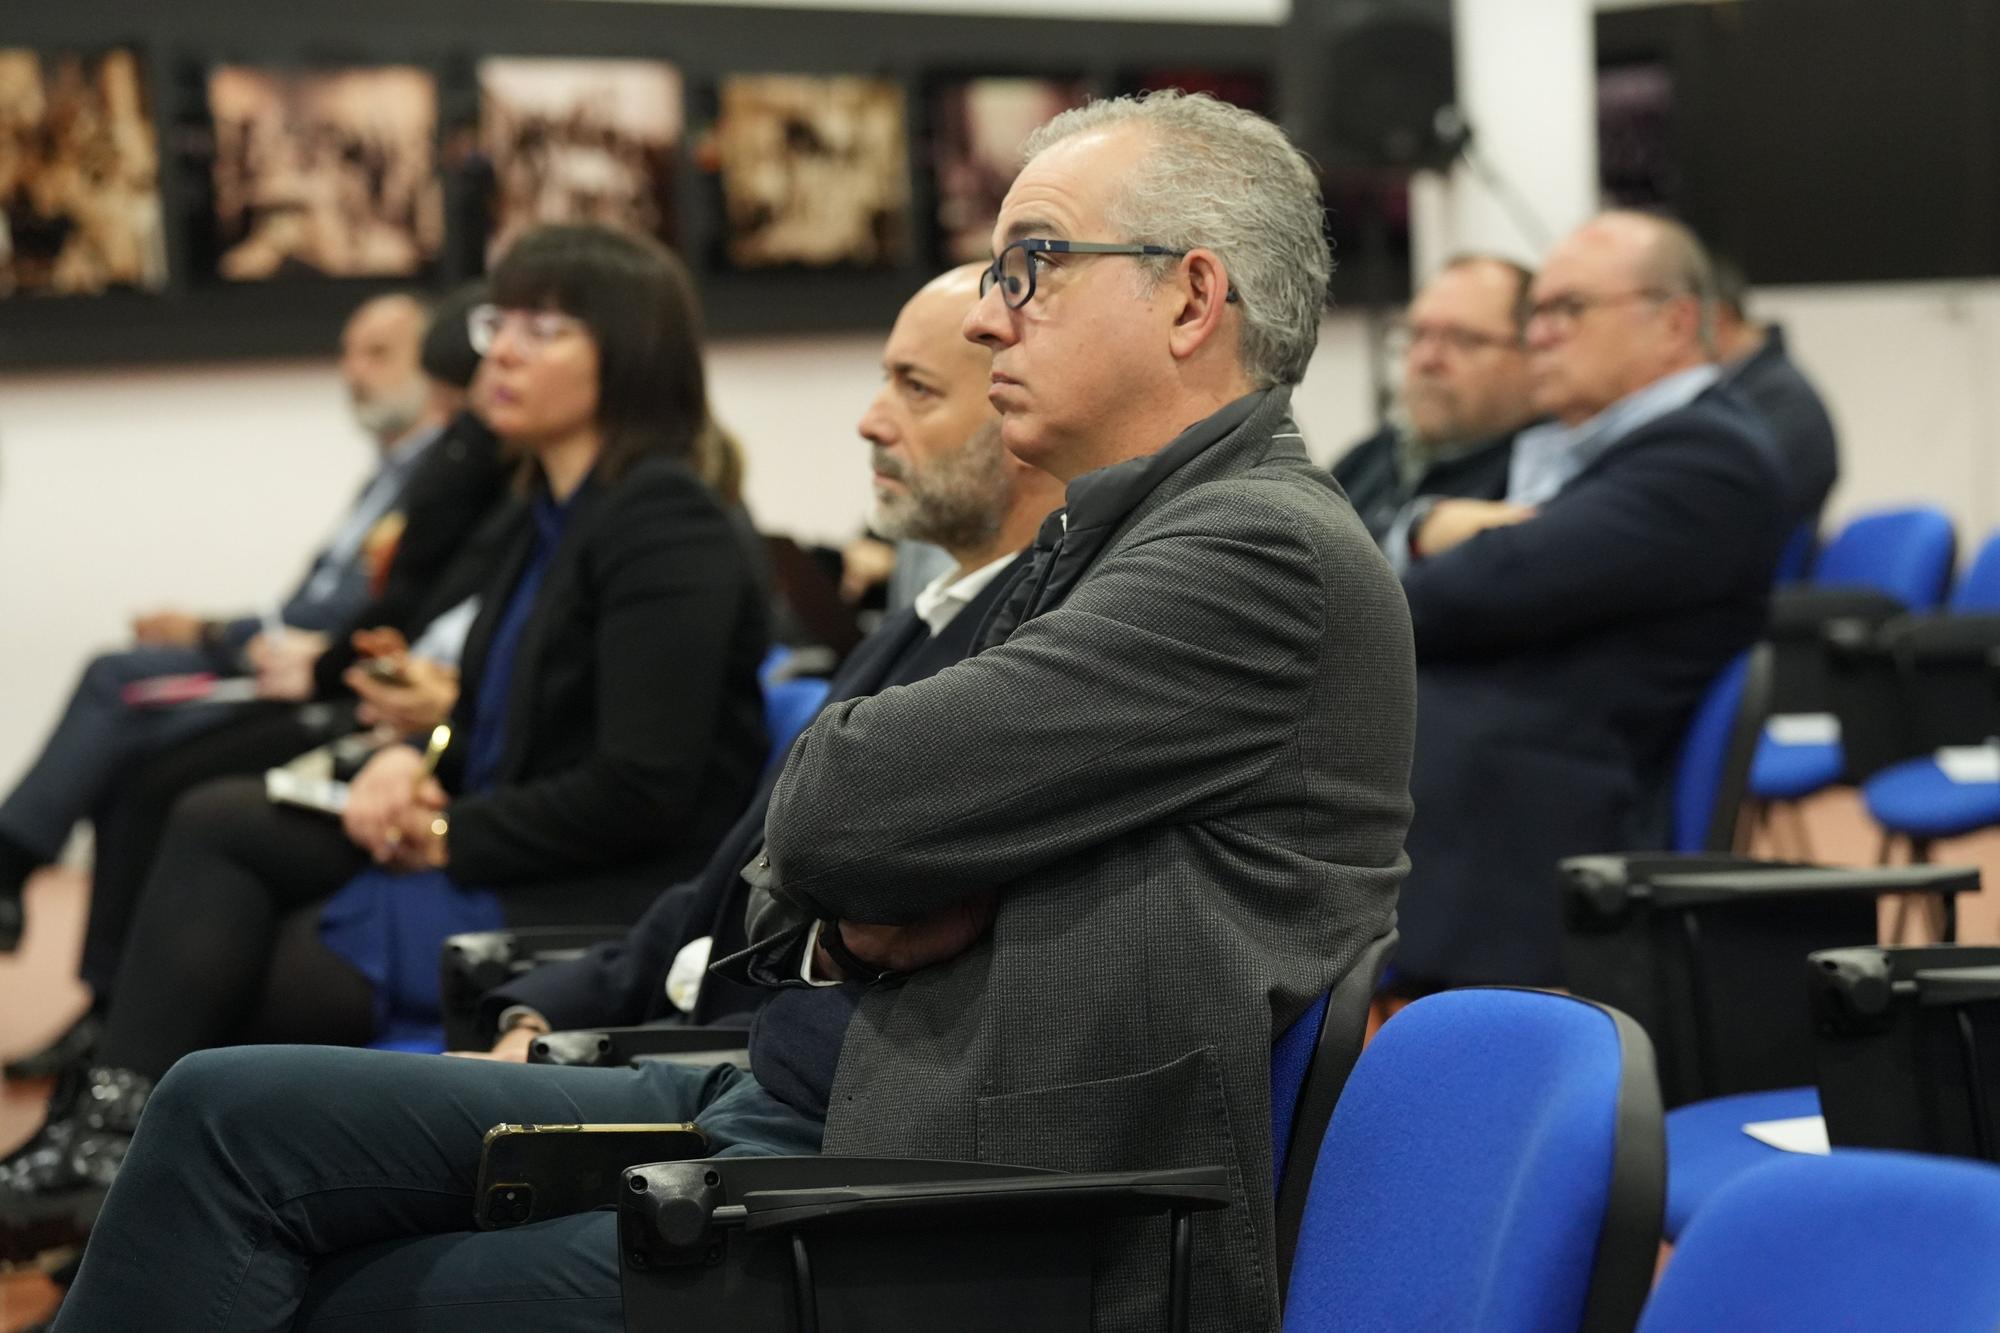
x=1219, y=178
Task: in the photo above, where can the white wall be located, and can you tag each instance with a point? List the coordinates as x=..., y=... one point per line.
x=209, y=486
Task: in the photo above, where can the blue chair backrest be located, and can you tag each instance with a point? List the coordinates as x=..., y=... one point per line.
x=1855, y=1240
x=1496, y=1162
x=1978, y=589
x=788, y=707
x=1906, y=553
x=1715, y=761
x=1796, y=557
x=1291, y=1059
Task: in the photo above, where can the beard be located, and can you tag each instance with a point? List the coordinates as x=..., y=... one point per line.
x=390, y=414
x=956, y=501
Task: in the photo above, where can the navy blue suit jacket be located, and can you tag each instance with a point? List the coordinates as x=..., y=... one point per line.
x=1558, y=663
x=623, y=981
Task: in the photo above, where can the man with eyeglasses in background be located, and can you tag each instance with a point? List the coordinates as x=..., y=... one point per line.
x=1464, y=393
x=1565, y=633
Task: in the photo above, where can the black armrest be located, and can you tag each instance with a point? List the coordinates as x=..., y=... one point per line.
x=1803, y=612
x=610, y=1048
x=504, y=954
x=1922, y=640
x=1604, y=888
x=1704, y=888
x=1056, y=1199
x=1958, y=985
x=681, y=1216
x=472, y=964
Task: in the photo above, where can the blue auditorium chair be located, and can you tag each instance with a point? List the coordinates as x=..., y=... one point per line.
x=1879, y=565
x=1713, y=771
x=1857, y=1240
x=1947, y=694
x=1795, y=560
x=1708, y=953
x=1027, y=1232
x=1495, y=1165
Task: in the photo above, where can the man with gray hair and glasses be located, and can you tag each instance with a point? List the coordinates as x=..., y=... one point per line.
x=1464, y=393
x=1090, y=874
x=1565, y=632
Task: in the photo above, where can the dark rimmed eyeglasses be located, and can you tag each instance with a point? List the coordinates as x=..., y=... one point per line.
x=1013, y=269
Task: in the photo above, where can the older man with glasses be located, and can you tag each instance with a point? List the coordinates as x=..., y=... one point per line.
x=1462, y=396
x=1163, y=809
x=1565, y=632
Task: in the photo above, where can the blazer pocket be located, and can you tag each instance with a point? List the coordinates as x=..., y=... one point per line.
x=1172, y=1115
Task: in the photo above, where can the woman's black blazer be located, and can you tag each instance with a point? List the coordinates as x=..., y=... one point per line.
x=634, y=722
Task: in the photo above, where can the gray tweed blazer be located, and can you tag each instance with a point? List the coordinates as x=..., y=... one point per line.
x=1186, y=772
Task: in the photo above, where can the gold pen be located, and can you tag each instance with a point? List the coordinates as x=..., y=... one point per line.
x=440, y=741
x=434, y=751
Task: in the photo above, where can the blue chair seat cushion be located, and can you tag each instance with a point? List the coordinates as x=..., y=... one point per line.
x=1789, y=772
x=1707, y=1148
x=1915, y=797
x=1857, y=1240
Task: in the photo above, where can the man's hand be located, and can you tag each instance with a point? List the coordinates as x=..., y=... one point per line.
x=284, y=663
x=908, y=948
x=425, y=699
x=1452, y=522
x=512, y=1048
x=166, y=629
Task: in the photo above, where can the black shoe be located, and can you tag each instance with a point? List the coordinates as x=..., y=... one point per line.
x=79, y=1151
x=74, y=1047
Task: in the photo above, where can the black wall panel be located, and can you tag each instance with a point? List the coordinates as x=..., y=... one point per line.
x=1832, y=140
x=200, y=317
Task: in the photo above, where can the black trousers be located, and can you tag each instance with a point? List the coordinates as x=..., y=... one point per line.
x=131, y=823
x=310, y=1188
x=225, y=939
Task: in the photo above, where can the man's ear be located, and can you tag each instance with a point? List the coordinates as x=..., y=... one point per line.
x=1685, y=311
x=1205, y=298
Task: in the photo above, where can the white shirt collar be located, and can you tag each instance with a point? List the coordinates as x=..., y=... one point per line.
x=943, y=597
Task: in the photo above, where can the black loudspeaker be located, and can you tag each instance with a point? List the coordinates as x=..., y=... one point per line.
x=1370, y=83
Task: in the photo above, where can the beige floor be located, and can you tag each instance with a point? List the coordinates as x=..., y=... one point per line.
x=39, y=993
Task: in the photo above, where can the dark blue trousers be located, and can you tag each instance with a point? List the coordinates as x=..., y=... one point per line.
x=307, y=1187
x=97, y=737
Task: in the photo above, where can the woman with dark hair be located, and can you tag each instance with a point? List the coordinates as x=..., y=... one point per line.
x=608, y=729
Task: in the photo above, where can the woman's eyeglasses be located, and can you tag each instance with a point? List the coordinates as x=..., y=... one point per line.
x=535, y=329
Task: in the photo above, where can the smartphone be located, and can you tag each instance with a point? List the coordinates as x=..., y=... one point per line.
x=528, y=1173
x=388, y=670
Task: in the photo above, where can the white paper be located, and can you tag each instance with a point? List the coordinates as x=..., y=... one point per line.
x=1970, y=763
x=1801, y=1134
x=1803, y=729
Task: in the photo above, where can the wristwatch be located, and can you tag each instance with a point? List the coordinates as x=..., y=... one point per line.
x=851, y=966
